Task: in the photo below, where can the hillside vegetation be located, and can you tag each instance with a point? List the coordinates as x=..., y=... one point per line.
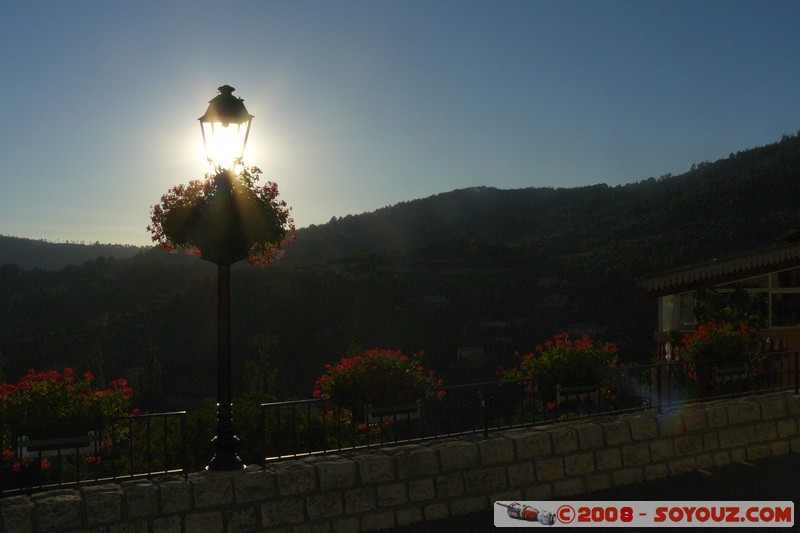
x=501, y=269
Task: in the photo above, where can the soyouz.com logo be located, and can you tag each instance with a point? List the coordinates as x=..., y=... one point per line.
x=644, y=514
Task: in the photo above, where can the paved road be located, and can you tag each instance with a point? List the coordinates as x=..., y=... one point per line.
x=766, y=480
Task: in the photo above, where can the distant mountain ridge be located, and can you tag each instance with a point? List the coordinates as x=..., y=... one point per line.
x=729, y=206
x=30, y=253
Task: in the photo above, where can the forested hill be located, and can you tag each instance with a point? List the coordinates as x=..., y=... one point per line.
x=732, y=205
x=46, y=255
x=499, y=269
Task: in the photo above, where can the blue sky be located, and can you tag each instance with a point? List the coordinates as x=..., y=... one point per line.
x=363, y=104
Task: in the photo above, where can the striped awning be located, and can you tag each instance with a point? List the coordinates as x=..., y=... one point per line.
x=721, y=270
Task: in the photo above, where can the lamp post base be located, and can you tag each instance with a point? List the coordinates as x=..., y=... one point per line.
x=225, y=458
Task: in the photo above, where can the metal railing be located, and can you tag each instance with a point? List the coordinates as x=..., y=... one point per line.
x=76, y=452
x=315, y=426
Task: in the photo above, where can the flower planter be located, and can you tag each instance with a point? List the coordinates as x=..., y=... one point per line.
x=411, y=411
x=729, y=371
x=57, y=446
x=581, y=393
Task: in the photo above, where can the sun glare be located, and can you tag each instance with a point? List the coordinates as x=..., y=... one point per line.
x=224, y=143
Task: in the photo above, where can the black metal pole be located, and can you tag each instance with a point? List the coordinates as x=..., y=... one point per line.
x=225, y=441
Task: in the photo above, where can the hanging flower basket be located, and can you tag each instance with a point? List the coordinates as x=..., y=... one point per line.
x=384, y=381
x=224, y=218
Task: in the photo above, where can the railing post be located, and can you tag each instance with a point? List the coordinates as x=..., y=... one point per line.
x=658, y=389
x=796, y=374
x=484, y=418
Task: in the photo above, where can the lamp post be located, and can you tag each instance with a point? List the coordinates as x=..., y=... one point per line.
x=225, y=127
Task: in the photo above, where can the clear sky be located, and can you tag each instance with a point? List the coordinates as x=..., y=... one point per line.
x=363, y=104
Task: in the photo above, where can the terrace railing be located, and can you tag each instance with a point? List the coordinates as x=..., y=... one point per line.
x=315, y=426
x=75, y=452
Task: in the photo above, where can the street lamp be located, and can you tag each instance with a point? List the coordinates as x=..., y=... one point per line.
x=225, y=218
x=225, y=127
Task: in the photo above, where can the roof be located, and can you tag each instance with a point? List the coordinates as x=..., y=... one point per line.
x=721, y=270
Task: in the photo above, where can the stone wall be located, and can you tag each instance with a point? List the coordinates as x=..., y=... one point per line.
x=402, y=485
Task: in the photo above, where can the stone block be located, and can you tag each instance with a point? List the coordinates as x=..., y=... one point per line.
x=414, y=460
x=681, y=466
x=207, y=522
x=456, y=455
x=169, y=524
x=635, y=454
x=103, y=504
x=449, y=486
x=324, y=505
x=350, y=524
x=378, y=521
x=688, y=445
x=540, y=492
x=17, y=512
x=779, y=448
x=317, y=527
x=793, y=405
x=717, y=416
x=759, y=451
x=58, y=511
x=550, y=469
x=436, y=511
x=495, y=450
x=141, y=499
x=360, y=500
x=617, y=432
x=643, y=427
x=335, y=473
x=627, y=476
x=420, y=490
x=766, y=431
x=590, y=436
x=661, y=450
x=256, y=484
x=212, y=489
x=374, y=467
x=721, y=459
x=743, y=411
x=569, y=487
x=134, y=526
x=738, y=455
x=409, y=516
x=520, y=474
x=608, y=459
x=787, y=428
x=465, y=506
x=579, y=464
x=530, y=443
x=282, y=512
x=670, y=424
x=773, y=407
x=564, y=439
x=484, y=480
x=294, y=477
x=392, y=494
x=737, y=436
x=175, y=496
x=710, y=441
x=694, y=419
x=598, y=482
x=704, y=461
x=656, y=471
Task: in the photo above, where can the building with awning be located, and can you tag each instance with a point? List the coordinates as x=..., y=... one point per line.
x=768, y=278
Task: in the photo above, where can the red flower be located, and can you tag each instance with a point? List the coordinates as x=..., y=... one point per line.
x=7, y=455
x=45, y=464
